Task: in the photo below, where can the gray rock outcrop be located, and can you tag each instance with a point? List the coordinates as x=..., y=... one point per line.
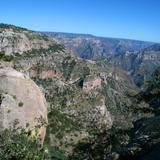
x=22, y=103
x=18, y=42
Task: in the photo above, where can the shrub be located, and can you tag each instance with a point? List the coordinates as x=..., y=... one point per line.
x=15, y=145
x=6, y=58
x=20, y=104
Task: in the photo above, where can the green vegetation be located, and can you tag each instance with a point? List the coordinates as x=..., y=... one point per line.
x=9, y=26
x=100, y=144
x=20, y=104
x=56, y=154
x=68, y=65
x=38, y=52
x=1, y=98
x=14, y=96
x=151, y=94
x=15, y=145
x=43, y=82
x=60, y=123
x=6, y=58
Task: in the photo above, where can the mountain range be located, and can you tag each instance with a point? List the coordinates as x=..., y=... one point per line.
x=93, y=47
x=138, y=58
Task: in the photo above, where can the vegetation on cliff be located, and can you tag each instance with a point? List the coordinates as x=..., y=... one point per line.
x=94, y=108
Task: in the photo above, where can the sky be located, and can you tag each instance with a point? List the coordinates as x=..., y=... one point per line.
x=131, y=19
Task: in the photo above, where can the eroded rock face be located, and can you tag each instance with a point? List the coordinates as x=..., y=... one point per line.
x=18, y=42
x=94, y=83
x=104, y=116
x=22, y=104
x=44, y=74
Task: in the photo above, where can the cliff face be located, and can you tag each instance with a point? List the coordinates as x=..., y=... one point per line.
x=22, y=103
x=18, y=40
x=140, y=65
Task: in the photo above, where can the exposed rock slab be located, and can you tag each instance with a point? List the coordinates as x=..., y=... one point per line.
x=22, y=102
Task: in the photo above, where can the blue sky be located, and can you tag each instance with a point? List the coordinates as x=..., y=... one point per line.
x=133, y=19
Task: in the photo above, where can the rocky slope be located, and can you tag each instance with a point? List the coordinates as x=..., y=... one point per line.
x=138, y=58
x=92, y=47
x=140, y=65
x=144, y=141
x=138, y=143
x=84, y=98
x=18, y=40
x=89, y=102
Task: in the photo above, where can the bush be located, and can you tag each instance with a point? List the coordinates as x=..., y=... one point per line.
x=20, y=104
x=6, y=58
x=17, y=146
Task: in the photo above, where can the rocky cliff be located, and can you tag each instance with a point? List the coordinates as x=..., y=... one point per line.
x=140, y=65
x=22, y=104
x=18, y=40
x=144, y=141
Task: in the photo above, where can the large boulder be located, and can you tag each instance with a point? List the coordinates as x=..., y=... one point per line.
x=22, y=104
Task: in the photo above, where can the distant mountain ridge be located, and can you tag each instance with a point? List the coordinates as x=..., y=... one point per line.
x=92, y=47
x=138, y=58
x=154, y=47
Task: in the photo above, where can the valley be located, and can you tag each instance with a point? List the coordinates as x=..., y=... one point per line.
x=101, y=94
